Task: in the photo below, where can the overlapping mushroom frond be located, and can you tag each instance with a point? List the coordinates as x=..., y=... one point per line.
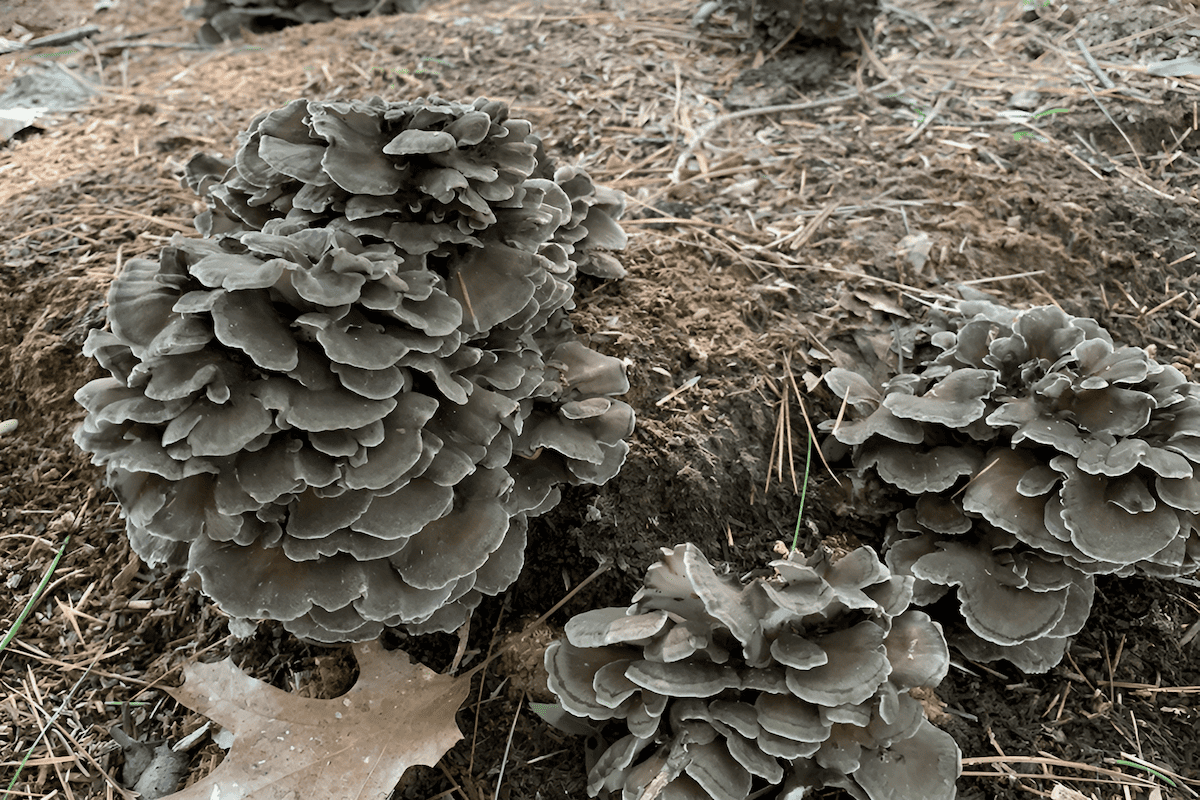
x=1040, y=454
x=426, y=175
x=343, y=420
x=798, y=680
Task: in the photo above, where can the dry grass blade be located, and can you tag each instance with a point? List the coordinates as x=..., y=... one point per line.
x=781, y=440
x=812, y=434
x=508, y=747
x=1004, y=763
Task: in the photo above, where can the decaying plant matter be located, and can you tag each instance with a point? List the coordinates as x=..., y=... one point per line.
x=343, y=420
x=225, y=19
x=1039, y=455
x=797, y=680
x=775, y=21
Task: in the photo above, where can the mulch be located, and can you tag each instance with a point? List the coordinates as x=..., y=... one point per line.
x=784, y=212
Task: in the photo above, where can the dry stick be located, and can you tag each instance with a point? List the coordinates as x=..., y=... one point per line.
x=786, y=410
x=974, y=477
x=479, y=698
x=1025, y=775
x=1093, y=66
x=453, y=782
x=508, y=746
x=775, y=440
x=925, y=123
x=464, y=633
x=870, y=279
x=1162, y=771
x=1053, y=762
x=600, y=570
x=65, y=37
x=775, y=50
x=467, y=299
x=812, y=434
x=689, y=383
x=870, y=54
x=712, y=125
x=1104, y=110
x=837, y=423
x=1003, y=277
x=1165, y=303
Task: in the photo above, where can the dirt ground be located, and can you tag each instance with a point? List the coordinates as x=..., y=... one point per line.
x=759, y=239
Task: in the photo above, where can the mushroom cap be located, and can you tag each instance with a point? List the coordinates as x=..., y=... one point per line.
x=921, y=767
x=955, y=401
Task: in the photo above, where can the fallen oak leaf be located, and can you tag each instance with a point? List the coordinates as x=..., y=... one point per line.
x=355, y=747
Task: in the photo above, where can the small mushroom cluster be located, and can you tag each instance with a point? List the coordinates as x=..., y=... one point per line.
x=225, y=19
x=343, y=419
x=1039, y=454
x=796, y=680
x=775, y=21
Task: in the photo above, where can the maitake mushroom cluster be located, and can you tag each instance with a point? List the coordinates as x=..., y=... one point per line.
x=343, y=420
x=775, y=21
x=797, y=680
x=225, y=19
x=1039, y=454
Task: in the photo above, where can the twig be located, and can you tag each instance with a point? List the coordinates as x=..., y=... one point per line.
x=812, y=434
x=507, y=747
x=994, y=278
x=1132, y=780
x=1104, y=110
x=689, y=383
x=938, y=105
x=1093, y=66
x=600, y=570
x=65, y=37
x=127, y=44
x=712, y=125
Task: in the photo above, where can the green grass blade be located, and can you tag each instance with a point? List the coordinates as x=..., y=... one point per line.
x=36, y=598
x=1151, y=770
x=803, y=492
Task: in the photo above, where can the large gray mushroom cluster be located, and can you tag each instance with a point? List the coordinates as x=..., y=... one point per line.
x=340, y=409
x=796, y=680
x=772, y=21
x=225, y=19
x=1037, y=454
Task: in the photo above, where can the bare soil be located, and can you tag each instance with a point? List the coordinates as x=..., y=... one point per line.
x=763, y=242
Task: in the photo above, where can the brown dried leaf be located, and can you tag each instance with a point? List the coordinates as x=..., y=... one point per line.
x=355, y=746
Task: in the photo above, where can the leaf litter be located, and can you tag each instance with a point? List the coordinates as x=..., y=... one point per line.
x=358, y=745
x=1031, y=222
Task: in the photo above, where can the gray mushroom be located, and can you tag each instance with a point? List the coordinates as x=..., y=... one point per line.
x=806, y=698
x=777, y=21
x=1089, y=469
x=225, y=19
x=341, y=419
